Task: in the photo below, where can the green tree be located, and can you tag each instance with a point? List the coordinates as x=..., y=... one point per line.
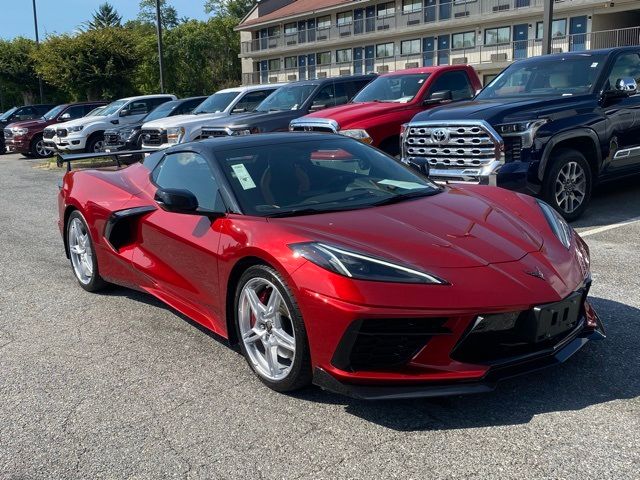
x=168, y=14
x=18, y=79
x=229, y=8
x=106, y=16
x=90, y=65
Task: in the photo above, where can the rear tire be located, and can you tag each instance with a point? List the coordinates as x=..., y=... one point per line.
x=568, y=183
x=84, y=262
x=273, y=340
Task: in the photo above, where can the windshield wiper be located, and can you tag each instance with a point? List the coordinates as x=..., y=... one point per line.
x=406, y=196
x=312, y=211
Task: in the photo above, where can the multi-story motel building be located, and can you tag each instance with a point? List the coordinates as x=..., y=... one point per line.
x=287, y=40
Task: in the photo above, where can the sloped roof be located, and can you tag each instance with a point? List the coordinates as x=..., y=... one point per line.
x=295, y=8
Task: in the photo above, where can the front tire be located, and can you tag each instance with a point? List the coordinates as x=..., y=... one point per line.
x=84, y=262
x=37, y=148
x=568, y=183
x=95, y=144
x=271, y=331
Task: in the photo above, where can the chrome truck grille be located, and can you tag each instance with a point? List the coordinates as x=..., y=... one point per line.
x=210, y=132
x=153, y=137
x=463, y=151
x=48, y=133
x=325, y=125
x=8, y=134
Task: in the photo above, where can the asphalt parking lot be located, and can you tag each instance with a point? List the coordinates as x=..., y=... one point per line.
x=118, y=386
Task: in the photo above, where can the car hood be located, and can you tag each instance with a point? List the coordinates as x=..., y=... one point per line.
x=454, y=229
x=355, y=112
x=497, y=111
x=37, y=123
x=183, y=120
x=85, y=122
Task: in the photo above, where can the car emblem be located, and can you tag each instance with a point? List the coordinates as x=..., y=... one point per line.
x=440, y=135
x=535, y=273
x=147, y=137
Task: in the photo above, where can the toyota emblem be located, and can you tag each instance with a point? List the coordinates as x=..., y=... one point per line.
x=440, y=135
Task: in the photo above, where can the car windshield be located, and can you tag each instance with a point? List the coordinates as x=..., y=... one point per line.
x=549, y=76
x=162, y=111
x=317, y=175
x=290, y=97
x=217, y=102
x=111, y=108
x=392, y=88
x=94, y=112
x=8, y=113
x=53, y=113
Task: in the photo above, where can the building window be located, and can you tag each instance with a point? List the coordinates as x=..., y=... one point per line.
x=411, y=6
x=323, y=58
x=386, y=10
x=343, y=56
x=558, y=28
x=323, y=22
x=290, y=62
x=463, y=40
x=274, y=64
x=290, y=28
x=273, y=31
x=496, y=36
x=407, y=47
x=384, y=50
x=344, y=18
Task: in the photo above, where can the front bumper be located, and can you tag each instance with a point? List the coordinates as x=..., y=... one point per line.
x=17, y=144
x=69, y=143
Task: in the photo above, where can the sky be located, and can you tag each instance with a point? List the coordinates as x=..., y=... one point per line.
x=64, y=16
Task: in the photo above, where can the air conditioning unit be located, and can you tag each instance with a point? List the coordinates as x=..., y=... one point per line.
x=462, y=14
x=412, y=22
x=291, y=42
x=459, y=61
x=322, y=75
x=383, y=27
x=501, y=8
x=273, y=79
x=292, y=78
x=345, y=71
x=345, y=34
x=322, y=37
x=411, y=65
x=498, y=57
x=556, y=50
x=382, y=69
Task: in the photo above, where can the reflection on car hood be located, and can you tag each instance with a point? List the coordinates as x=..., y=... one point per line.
x=454, y=229
x=183, y=120
x=351, y=113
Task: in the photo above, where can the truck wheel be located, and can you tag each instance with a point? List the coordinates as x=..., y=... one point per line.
x=37, y=148
x=95, y=144
x=568, y=183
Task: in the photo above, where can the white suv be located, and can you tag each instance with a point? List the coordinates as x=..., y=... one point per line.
x=87, y=133
x=168, y=131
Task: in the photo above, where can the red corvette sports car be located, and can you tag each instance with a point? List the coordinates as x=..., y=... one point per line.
x=329, y=262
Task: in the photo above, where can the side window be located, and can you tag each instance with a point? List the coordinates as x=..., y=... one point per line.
x=325, y=97
x=341, y=93
x=152, y=103
x=457, y=82
x=354, y=87
x=187, y=107
x=74, y=112
x=189, y=171
x=90, y=108
x=25, y=113
x=626, y=65
x=137, y=107
x=251, y=100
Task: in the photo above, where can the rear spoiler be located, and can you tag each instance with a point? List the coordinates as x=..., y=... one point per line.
x=115, y=156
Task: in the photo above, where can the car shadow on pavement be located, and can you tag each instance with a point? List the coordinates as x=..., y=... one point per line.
x=612, y=202
x=603, y=371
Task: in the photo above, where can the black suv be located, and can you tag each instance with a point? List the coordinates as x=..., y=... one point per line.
x=551, y=126
x=18, y=114
x=287, y=103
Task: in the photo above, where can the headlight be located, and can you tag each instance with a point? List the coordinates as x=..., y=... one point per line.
x=357, y=265
x=175, y=134
x=526, y=129
x=245, y=131
x=19, y=131
x=558, y=224
x=358, y=134
x=75, y=129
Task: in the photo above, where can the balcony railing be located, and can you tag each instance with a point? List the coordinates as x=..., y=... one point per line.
x=498, y=55
x=454, y=10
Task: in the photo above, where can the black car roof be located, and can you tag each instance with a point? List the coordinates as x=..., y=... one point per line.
x=586, y=53
x=345, y=78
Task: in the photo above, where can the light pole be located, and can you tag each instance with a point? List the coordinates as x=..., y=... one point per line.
x=159, y=30
x=35, y=23
x=547, y=24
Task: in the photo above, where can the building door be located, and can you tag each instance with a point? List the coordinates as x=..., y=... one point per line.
x=445, y=9
x=264, y=39
x=302, y=32
x=264, y=71
x=311, y=30
x=430, y=12
x=357, y=60
x=577, y=32
x=520, y=43
x=370, y=23
x=302, y=67
x=443, y=50
x=358, y=21
x=369, y=56
x=311, y=62
x=428, y=47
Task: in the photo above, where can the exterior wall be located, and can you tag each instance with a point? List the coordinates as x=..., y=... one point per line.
x=488, y=34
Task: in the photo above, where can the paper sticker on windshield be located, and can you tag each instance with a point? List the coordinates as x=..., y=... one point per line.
x=594, y=64
x=401, y=184
x=246, y=182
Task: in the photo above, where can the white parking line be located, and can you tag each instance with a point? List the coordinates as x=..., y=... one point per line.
x=604, y=228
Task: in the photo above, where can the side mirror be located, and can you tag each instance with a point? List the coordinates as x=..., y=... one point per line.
x=627, y=85
x=317, y=106
x=64, y=117
x=439, y=97
x=176, y=200
x=123, y=113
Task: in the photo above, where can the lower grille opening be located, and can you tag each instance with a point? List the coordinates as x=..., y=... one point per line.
x=385, y=343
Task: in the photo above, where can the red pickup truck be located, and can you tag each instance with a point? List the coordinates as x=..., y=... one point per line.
x=376, y=114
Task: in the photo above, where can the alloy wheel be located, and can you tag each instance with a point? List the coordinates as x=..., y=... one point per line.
x=40, y=149
x=266, y=329
x=80, y=251
x=98, y=146
x=570, y=187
